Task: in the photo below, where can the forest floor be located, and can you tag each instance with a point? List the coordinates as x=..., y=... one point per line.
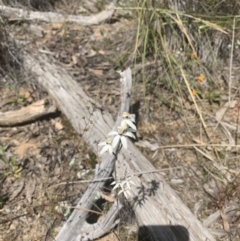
x=194, y=144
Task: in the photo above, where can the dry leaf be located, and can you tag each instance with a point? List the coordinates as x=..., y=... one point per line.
x=16, y=189
x=194, y=55
x=220, y=113
x=107, y=198
x=30, y=100
x=101, y=52
x=27, y=94
x=62, y=32
x=22, y=149
x=47, y=37
x=56, y=26
x=211, y=218
x=75, y=59
x=58, y=126
x=98, y=72
x=226, y=225
x=30, y=188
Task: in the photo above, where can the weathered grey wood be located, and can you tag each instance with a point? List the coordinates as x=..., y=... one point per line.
x=75, y=226
x=162, y=207
x=93, y=231
x=25, y=114
x=22, y=14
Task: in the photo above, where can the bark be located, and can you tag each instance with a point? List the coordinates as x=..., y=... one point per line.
x=156, y=205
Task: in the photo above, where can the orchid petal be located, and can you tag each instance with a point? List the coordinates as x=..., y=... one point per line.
x=130, y=124
x=128, y=185
x=121, y=191
x=110, y=149
x=102, y=143
x=112, y=133
x=104, y=149
x=133, y=183
x=123, y=124
x=122, y=185
x=130, y=134
x=126, y=193
x=132, y=117
x=116, y=186
x=115, y=141
x=124, y=141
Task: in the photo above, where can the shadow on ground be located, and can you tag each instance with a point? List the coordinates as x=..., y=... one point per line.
x=163, y=233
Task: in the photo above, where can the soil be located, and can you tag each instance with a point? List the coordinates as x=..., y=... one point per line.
x=43, y=162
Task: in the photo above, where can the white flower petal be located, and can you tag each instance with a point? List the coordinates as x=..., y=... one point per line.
x=115, y=141
x=123, y=124
x=116, y=186
x=113, y=183
x=121, y=191
x=112, y=133
x=128, y=185
x=104, y=149
x=110, y=149
x=130, y=134
x=126, y=193
x=124, y=141
x=133, y=183
x=122, y=184
x=131, y=117
x=71, y=163
x=102, y=143
x=130, y=124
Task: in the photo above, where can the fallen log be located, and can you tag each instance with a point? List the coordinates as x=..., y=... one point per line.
x=21, y=14
x=26, y=114
x=157, y=207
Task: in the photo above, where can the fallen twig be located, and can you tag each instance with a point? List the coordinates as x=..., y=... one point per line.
x=27, y=114
x=21, y=14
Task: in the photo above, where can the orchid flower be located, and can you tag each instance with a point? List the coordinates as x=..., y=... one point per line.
x=124, y=185
x=120, y=135
x=107, y=146
x=127, y=121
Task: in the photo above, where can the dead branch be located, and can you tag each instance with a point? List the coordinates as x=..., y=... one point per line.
x=26, y=114
x=21, y=14
x=94, y=231
x=162, y=207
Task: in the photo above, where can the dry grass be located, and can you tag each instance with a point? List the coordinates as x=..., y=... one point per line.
x=188, y=63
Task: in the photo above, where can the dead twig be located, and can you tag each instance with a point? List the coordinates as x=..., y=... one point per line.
x=21, y=14
x=26, y=114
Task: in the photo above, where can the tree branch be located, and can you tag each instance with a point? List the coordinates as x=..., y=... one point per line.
x=50, y=17
x=27, y=114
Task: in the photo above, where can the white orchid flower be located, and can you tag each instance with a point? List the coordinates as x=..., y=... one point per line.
x=120, y=135
x=127, y=121
x=131, y=117
x=107, y=146
x=122, y=77
x=125, y=186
